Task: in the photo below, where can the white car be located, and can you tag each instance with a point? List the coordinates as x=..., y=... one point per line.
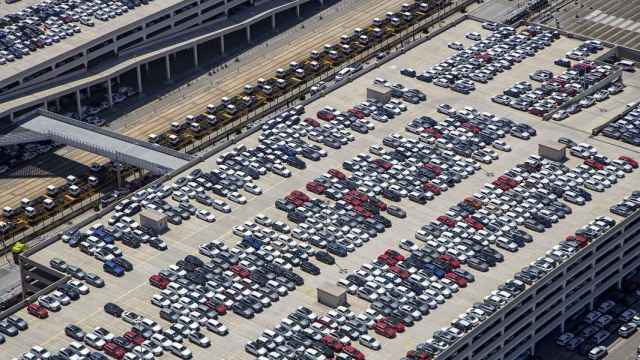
x=237, y=198
x=216, y=327
x=263, y=220
x=79, y=349
x=162, y=341
x=206, y=215
x=143, y=353
x=473, y=36
x=221, y=206
x=501, y=145
x=369, y=342
x=456, y=45
x=94, y=341
x=79, y=285
x=252, y=188
x=180, y=351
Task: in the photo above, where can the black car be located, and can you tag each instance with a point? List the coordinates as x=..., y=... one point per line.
x=113, y=309
x=70, y=291
x=8, y=329
x=325, y=257
x=74, y=332
x=477, y=264
x=310, y=268
x=242, y=310
x=18, y=322
x=125, y=264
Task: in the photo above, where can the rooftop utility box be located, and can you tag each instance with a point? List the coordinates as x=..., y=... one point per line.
x=380, y=93
x=553, y=151
x=332, y=295
x=154, y=220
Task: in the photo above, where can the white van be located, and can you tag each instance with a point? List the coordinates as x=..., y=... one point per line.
x=225, y=100
x=248, y=89
x=195, y=127
x=25, y=203
x=343, y=74
x=363, y=39
x=176, y=126
x=300, y=73
x=71, y=180
x=231, y=109
x=92, y=180
x=314, y=65
x=314, y=55
x=377, y=21
x=346, y=49
x=211, y=109
x=280, y=73
x=395, y=21
x=8, y=211
x=334, y=55
x=153, y=138
x=52, y=190
x=30, y=211
x=174, y=140
x=48, y=204
x=345, y=39
x=212, y=120
x=74, y=190
x=268, y=90
x=281, y=83
x=328, y=48
x=293, y=65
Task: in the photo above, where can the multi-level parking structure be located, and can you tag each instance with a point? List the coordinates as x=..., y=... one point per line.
x=156, y=23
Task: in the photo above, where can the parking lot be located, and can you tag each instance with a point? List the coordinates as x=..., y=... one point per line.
x=133, y=292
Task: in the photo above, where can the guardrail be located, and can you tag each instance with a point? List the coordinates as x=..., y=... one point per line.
x=598, y=129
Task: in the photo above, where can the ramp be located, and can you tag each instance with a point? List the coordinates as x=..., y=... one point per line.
x=117, y=147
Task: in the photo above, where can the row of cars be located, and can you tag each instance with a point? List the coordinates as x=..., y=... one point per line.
x=626, y=128
x=303, y=334
x=628, y=205
x=557, y=91
x=488, y=57
x=506, y=293
x=46, y=23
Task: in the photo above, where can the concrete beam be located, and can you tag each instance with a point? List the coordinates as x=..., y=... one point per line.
x=110, y=93
x=139, y=73
x=195, y=56
x=168, y=66
x=79, y=103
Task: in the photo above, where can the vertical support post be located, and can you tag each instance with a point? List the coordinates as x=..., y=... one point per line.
x=58, y=104
x=79, y=104
x=222, y=44
x=88, y=91
x=139, y=72
x=168, y=66
x=110, y=93
x=249, y=33
x=195, y=56
x=298, y=10
x=273, y=21
x=45, y=105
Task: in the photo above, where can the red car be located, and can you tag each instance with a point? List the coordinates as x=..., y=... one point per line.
x=158, y=281
x=387, y=260
x=477, y=204
x=394, y=254
x=433, y=167
x=433, y=132
x=312, y=122
x=315, y=187
x=353, y=352
x=395, y=323
x=332, y=342
x=459, y=280
x=507, y=180
x=362, y=211
x=300, y=195
x=630, y=161
x=432, y=188
x=133, y=337
x=337, y=174
x=113, y=350
x=383, y=164
x=384, y=329
x=446, y=220
x=403, y=274
x=473, y=223
x=418, y=355
x=220, y=308
x=38, y=311
x=325, y=115
x=455, y=263
x=240, y=271
x=594, y=164
x=357, y=113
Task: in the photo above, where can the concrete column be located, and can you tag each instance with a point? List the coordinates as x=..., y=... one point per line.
x=226, y=7
x=168, y=66
x=79, y=103
x=110, y=93
x=222, y=44
x=12, y=116
x=322, y=2
x=273, y=21
x=249, y=34
x=45, y=105
x=146, y=67
x=88, y=91
x=139, y=73
x=58, y=103
x=298, y=10
x=195, y=56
